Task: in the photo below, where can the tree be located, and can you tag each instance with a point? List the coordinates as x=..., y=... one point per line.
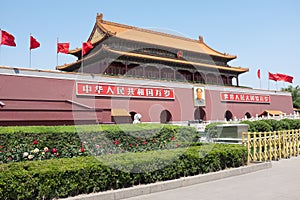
x=295, y=91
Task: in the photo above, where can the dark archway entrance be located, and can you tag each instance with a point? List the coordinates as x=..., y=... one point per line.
x=248, y=115
x=200, y=114
x=228, y=115
x=165, y=117
x=132, y=115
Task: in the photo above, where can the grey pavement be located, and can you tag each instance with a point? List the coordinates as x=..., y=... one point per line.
x=282, y=181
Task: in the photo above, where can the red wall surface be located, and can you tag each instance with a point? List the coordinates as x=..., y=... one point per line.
x=216, y=109
x=37, y=100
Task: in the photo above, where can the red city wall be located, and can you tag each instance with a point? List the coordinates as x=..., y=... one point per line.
x=48, y=101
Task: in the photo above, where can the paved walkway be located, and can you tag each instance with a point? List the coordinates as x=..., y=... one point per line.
x=281, y=182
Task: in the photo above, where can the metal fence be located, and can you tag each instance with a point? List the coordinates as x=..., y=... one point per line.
x=269, y=146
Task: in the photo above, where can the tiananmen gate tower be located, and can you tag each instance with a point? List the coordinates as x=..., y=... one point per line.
x=164, y=77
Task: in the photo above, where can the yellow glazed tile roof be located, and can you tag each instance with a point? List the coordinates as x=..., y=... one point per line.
x=122, y=31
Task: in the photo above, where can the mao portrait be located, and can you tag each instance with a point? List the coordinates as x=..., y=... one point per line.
x=199, y=96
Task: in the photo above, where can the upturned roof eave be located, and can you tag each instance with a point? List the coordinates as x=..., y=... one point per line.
x=238, y=70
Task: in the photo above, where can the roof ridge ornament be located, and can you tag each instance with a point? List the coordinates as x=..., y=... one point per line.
x=99, y=16
x=201, y=40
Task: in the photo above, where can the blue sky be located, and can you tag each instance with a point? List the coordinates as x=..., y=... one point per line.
x=263, y=34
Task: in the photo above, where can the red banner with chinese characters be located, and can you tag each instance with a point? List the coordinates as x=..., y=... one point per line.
x=103, y=89
x=245, y=98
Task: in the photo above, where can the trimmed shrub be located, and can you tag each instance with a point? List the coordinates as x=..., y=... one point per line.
x=284, y=125
x=40, y=143
x=258, y=126
x=277, y=125
x=261, y=126
x=293, y=123
x=272, y=125
x=62, y=178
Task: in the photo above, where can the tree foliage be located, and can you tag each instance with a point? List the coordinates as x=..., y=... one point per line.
x=295, y=91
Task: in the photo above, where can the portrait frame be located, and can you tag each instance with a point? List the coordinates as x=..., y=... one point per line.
x=199, y=96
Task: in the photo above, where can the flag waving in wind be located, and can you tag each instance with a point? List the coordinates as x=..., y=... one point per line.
x=7, y=39
x=63, y=48
x=258, y=74
x=289, y=79
x=281, y=77
x=34, y=43
x=86, y=47
x=273, y=77
x=285, y=78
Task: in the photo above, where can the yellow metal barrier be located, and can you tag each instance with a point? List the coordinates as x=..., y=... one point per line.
x=269, y=146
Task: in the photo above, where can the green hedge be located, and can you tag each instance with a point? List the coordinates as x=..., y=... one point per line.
x=39, y=143
x=278, y=125
x=265, y=125
x=272, y=125
x=260, y=126
x=293, y=123
x=61, y=178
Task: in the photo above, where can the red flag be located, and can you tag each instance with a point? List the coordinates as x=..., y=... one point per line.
x=86, y=47
x=258, y=74
x=63, y=47
x=285, y=78
x=289, y=79
x=34, y=43
x=273, y=77
x=7, y=39
x=281, y=77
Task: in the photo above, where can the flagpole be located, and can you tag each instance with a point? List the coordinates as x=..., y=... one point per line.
x=260, y=83
x=0, y=45
x=81, y=58
x=29, y=52
x=0, y=52
x=56, y=52
x=81, y=63
x=29, y=58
